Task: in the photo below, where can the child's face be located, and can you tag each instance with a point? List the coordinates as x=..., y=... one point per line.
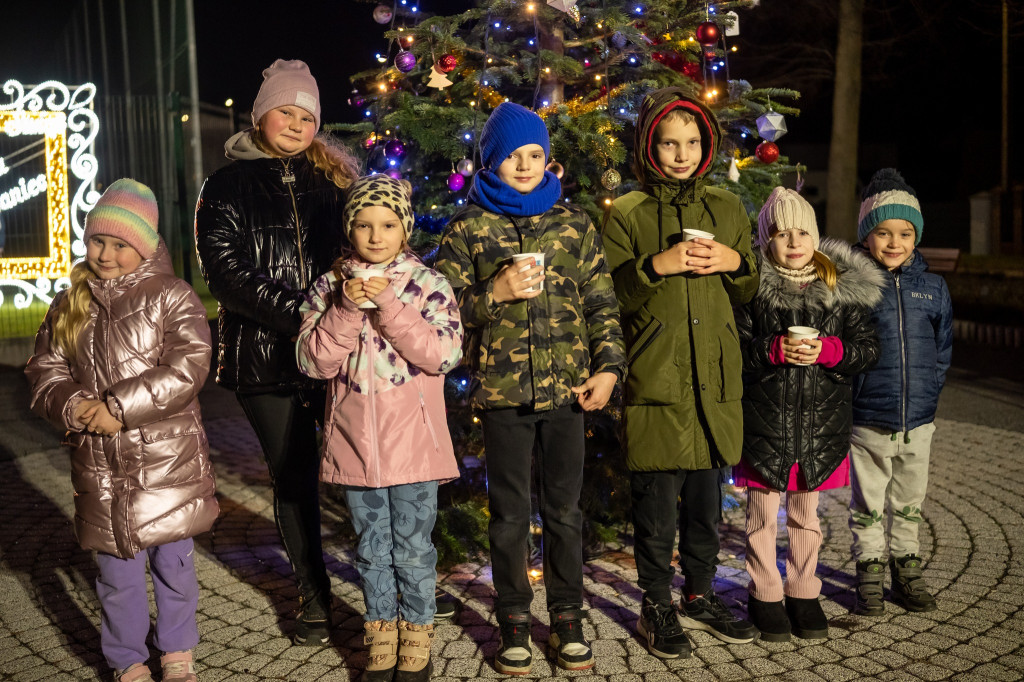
x=792, y=249
x=110, y=257
x=287, y=130
x=891, y=242
x=377, y=234
x=678, y=148
x=524, y=168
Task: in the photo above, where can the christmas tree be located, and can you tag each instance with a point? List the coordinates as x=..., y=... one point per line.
x=584, y=66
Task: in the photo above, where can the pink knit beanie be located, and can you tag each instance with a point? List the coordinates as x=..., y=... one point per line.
x=127, y=210
x=287, y=82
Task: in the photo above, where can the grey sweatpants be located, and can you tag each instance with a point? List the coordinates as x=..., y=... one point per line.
x=887, y=471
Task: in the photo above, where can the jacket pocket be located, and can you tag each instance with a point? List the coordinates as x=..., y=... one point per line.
x=644, y=339
x=653, y=378
x=426, y=420
x=178, y=425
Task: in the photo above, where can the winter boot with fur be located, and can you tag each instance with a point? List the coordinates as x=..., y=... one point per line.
x=414, y=664
x=381, y=639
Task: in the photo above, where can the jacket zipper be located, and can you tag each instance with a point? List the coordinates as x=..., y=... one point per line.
x=426, y=420
x=373, y=408
x=903, y=355
x=289, y=179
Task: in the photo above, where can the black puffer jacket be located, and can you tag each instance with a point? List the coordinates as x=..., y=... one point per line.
x=794, y=414
x=262, y=243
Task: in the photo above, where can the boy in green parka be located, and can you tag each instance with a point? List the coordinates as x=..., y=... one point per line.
x=683, y=418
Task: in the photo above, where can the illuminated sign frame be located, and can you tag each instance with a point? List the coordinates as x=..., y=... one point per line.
x=64, y=116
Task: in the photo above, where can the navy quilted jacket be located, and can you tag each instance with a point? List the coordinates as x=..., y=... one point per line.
x=914, y=323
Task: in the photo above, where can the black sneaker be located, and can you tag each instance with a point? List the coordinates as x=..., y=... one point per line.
x=447, y=606
x=572, y=650
x=515, y=654
x=710, y=614
x=661, y=632
x=312, y=627
x=909, y=588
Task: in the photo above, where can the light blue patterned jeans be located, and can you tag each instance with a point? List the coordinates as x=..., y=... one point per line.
x=395, y=555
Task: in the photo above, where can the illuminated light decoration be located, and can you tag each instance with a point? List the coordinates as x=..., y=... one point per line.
x=577, y=106
x=63, y=115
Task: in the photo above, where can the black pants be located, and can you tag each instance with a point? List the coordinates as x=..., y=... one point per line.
x=285, y=423
x=654, y=496
x=509, y=437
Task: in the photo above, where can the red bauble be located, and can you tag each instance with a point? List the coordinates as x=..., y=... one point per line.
x=767, y=152
x=708, y=33
x=447, y=63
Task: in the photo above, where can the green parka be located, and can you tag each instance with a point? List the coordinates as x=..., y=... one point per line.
x=684, y=384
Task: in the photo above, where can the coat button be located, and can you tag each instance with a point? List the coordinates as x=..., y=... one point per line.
x=703, y=387
x=696, y=321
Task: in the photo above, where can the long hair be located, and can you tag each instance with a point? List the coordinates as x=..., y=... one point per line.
x=324, y=152
x=73, y=311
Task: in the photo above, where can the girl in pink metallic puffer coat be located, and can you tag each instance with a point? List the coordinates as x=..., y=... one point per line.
x=119, y=362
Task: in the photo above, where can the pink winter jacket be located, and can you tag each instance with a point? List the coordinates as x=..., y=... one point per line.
x=146, y=351
x=385, y=423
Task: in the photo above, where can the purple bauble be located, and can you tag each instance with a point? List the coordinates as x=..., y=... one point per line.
x=405, y=61
x=396, y=174
x=456, y=181
x=395, y=149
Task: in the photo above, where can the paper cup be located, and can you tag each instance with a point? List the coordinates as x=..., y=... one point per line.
x=801, y=333
x=367, y=274
x=690, y=235
x=528, y=261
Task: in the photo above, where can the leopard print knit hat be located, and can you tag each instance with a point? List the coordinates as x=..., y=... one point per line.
x=379, y=190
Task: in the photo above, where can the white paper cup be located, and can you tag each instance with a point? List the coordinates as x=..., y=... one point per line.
x=367, y=274
x=801, y=333
x=529, y=260
x=689, y=235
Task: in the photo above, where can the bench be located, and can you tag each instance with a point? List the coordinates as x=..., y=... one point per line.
x=940, y=260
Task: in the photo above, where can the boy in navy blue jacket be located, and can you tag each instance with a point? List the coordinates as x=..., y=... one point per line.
x=894, y=403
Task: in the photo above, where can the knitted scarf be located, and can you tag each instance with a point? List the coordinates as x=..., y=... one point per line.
x=490, y=192
x=804, y=275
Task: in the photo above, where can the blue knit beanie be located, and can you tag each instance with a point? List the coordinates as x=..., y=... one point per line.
x=510, y=127
x=888, y=196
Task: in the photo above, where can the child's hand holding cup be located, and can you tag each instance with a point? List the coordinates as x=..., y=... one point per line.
x=525, y=261
x=796, y=348
x=362, y=293
x=690, y=234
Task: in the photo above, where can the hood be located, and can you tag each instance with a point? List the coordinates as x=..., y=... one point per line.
x=240, y=147
x=157, y=264
x=860, y=283
x=653, y=109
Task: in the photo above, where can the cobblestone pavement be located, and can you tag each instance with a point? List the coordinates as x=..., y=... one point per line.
x=972, y=537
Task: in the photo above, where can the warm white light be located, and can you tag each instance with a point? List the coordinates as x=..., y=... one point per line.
x=184, y=118
x=229, y=102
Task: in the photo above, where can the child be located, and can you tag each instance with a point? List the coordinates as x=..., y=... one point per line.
x=119, y=361
x=385, y=343
x=547, y=346
x=797, y=402
x=894, y=404
x=682, y=415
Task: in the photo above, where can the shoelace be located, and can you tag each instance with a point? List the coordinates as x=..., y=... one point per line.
x=718, y=608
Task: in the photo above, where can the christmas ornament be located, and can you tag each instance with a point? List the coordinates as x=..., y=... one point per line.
x=447, y=63
x=619, y=39
x=734, y=29
x=771, y=125
x=437, y=79
x=555, y=168
x=395, y=149
x=395, y=173
x=356, y=99
x=734, y=171
x=563, y=5
x=377, y=160
x=767, y=152
x=382, y=14
x=465, y=167
x=710, y=52
x=611, y=179
x=456, y=181
x=370, y=141
x=405, y=61
x=708, y=33
x=574, y=14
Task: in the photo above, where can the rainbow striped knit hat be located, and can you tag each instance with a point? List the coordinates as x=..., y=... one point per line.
x=127, y=210
x=888, y=196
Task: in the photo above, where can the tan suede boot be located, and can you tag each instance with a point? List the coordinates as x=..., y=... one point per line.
x=381, y=639
x=414, y=664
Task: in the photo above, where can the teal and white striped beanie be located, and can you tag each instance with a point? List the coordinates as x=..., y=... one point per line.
x=888, y=196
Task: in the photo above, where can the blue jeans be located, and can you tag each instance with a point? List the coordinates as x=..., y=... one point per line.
x=395, y=555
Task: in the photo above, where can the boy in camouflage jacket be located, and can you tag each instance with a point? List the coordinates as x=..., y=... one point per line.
x=547, y=347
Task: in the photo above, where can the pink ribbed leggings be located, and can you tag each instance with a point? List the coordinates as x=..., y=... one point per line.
x=804, y=542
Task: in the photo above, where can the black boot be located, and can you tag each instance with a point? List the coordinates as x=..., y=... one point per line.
x=770, y=618
x=870, y=590
x=807, y=618
x=909, y=588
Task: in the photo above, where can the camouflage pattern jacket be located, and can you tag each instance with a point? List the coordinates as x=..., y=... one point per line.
x=532, y=352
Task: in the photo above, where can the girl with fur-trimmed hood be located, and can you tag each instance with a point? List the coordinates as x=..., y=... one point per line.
x=797, y=402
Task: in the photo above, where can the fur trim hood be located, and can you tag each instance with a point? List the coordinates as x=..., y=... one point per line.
x=860, y=282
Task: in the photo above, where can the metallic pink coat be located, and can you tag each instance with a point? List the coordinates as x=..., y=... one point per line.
x=146, y=352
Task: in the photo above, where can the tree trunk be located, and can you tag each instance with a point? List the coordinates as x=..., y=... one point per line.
x=842, y=208
x=552, y=90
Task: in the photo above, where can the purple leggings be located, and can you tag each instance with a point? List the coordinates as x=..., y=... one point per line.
x=121, y=588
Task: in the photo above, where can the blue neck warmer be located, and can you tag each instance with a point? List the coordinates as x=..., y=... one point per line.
x=490, y=192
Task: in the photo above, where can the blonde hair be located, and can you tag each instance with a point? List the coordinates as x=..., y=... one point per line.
x=324, y=152
x=677, y=114
x=824, y=268
x=73, y=311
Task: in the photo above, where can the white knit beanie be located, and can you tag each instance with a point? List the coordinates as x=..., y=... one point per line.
x=786, y=210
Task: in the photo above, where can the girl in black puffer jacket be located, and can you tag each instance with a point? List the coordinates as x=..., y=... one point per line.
x=797, y=402
x=267, y=226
